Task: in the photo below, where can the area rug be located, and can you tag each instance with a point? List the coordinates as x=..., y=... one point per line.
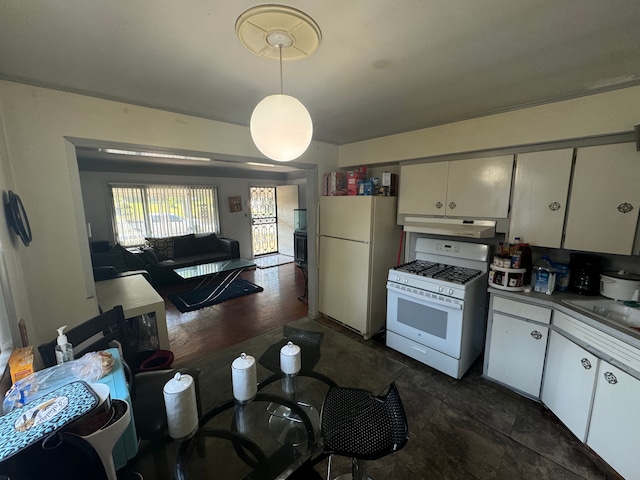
x=269, y=261
x=212, y=295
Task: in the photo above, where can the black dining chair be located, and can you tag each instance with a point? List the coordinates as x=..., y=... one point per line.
x=61, y=456
x=309, y=342
x=359, y=425
x=106, y=328
x=145, y=387
x=150, y=414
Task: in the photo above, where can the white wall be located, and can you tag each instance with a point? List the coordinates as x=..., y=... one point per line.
x=606, y=113
x=51, y=279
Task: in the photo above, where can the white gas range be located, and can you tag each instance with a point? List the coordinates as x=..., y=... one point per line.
x=436, y=304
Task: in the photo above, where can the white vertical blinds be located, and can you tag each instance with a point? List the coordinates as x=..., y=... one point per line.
x=141, y=211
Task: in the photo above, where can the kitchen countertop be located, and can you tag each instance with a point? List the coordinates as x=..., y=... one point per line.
x=555, y=301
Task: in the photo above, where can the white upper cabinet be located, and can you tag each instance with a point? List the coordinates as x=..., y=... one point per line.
x=540, y=194
x=477, y=188
x=605, y=199
x=423, y=188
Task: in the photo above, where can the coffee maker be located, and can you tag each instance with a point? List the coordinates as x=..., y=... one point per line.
x=584, y=277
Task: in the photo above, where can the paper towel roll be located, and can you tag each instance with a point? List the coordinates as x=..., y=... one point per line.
x=244, y=378
x=290, y=359
x=182, y=410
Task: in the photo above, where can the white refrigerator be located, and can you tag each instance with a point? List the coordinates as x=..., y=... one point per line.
x=359, y=242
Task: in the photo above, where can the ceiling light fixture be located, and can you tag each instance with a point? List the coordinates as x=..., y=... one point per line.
x=281, y=126
x=258, y=164
x=152, y=154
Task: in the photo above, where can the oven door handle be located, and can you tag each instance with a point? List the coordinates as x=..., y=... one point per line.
x=402, y=290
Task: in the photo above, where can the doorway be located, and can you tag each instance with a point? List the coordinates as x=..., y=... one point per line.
x=272, y=219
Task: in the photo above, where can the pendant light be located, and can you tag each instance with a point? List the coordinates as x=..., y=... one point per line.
x=281, y=126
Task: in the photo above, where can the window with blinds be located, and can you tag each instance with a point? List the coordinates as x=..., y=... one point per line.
x=141, y=211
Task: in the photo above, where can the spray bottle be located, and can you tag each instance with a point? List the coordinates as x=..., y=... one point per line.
x=64, y=350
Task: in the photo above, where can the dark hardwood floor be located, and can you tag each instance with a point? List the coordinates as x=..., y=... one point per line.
x=193, y=335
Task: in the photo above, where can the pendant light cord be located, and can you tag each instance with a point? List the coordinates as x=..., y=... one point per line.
x=281, y=82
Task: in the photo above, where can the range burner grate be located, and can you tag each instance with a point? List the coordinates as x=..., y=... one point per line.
x=448, y=273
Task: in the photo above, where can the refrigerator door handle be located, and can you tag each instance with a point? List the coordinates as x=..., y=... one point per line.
x=347, y=239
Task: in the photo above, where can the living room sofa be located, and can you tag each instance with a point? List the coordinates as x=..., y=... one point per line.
x=157, y=259
x=163, y=255
x=118, y=262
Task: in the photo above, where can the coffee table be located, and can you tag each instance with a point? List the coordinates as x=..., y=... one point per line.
x=208, y=271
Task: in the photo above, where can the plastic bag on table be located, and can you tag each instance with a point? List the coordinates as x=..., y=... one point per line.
x=90, y=367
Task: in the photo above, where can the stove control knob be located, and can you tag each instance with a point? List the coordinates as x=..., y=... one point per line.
x=451, y=291
x=440, y=289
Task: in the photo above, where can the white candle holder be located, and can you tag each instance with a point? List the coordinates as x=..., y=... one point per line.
x=244, y=378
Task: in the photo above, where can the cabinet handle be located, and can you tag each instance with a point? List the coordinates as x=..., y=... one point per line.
x=586, y=363
x=553, y=206
x=536, y=334
x=625, y=207
x=610, y=377
x=452, y=205
x=439, y=205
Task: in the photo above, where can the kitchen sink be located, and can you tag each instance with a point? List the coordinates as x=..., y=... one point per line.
x=611, y=310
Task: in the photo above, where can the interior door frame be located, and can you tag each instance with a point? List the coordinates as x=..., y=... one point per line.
x=286, y=202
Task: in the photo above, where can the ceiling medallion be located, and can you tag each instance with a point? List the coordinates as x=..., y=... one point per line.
x=281, y=126
x=256, y=25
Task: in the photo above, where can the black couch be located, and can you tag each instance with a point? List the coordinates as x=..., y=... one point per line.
x=163, y=255
x=160, y=256
x=118, y=262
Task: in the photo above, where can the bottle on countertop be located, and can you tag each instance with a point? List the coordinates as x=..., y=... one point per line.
x=502, y=257
x=64, y=350
x=516, y=255
x=545, y=276
x=525, y=259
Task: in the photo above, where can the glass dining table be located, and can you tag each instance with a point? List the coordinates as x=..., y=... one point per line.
x=277, y=432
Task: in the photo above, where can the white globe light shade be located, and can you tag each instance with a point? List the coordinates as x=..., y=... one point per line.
x=281, y=127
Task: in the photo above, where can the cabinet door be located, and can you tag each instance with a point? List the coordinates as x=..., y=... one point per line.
x=480, y=187
x=423, y=188
x=540, y=194
x=615, y=420
x=516, y=353
x=569, y=378
x=605, y=199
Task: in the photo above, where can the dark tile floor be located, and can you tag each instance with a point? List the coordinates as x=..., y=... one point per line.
x=473, y=428
x=470, y=429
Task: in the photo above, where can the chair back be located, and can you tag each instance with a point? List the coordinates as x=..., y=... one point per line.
x=398, y=419
x=306, y=337
x=308, y=341
x=106, y=327
x=148, y=400
x=62, y=456
x=357, y=424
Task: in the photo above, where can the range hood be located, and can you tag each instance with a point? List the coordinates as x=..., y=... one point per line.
x=456, y=227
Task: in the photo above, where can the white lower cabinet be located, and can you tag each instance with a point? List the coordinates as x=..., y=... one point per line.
x=615, y=420
x=567, y=388
x=597, y=401
x=516, y=353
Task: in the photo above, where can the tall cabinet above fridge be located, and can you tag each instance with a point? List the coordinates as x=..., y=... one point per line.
x=358, y=244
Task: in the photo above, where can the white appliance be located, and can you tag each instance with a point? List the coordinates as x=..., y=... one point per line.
x=358, y=244
x=437, y=304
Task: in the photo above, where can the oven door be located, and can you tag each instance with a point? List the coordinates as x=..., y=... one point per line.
x=433, y=322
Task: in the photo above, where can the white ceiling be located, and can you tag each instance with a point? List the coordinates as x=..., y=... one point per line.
x=383, y=66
